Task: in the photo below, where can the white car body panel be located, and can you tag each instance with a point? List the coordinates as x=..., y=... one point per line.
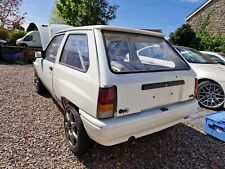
x=116, y=130
x=79, y=87
x=145, y=114
x=215, y=72
x=48, y=75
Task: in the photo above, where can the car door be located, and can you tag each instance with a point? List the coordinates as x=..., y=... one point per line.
x=49, y=60
x=28, y=40
x=76, y=75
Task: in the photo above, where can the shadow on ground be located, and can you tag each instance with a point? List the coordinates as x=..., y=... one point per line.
x=177, y=147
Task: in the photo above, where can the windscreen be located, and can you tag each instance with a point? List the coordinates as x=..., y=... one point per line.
x=193, y=56
x=129, y=52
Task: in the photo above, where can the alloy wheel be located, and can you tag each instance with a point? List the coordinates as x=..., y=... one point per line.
x=71, y=128
x=210, y=95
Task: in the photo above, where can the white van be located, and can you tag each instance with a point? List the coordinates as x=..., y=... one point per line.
x=31, y=39
x=41, y=37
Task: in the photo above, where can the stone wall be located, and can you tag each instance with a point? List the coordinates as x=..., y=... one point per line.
x=215, y=12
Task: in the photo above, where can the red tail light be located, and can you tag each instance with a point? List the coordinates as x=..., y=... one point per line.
x=196, y=88
x=106, y=102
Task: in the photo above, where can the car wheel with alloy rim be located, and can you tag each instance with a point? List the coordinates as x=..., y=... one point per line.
x=210, y=95
x=78, y=140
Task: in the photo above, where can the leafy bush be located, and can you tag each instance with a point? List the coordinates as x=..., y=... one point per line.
x=14, y=35
x=210, y=42
x=4, y=34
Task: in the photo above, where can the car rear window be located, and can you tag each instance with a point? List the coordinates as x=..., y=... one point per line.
x=130, y=52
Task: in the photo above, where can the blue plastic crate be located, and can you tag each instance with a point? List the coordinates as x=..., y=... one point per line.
x=215, y=125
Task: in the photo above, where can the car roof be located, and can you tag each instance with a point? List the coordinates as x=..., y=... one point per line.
x=114, y=28
x=209, y=52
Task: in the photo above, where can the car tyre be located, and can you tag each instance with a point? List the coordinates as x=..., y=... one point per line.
x=210, y=95
x=77, y=138
x=39, y=87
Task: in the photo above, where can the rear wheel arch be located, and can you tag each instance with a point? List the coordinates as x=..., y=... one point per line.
x=66, y=101
x=205, y=79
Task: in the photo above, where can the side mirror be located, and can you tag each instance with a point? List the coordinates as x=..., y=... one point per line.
x=40, y=54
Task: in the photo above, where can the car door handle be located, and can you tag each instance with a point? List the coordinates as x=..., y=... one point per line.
x=50, y=68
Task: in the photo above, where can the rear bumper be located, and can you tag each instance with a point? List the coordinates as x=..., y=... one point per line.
x=119, y=129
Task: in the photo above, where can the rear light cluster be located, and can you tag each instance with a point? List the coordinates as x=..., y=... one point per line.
x=196, y=88
x=106, y=102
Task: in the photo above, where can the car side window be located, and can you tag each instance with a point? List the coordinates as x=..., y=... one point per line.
x=75, y=53
x=28, y=38
x=215, y=58
x=53, y=47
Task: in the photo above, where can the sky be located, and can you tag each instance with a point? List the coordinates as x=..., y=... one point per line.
x=167, y=15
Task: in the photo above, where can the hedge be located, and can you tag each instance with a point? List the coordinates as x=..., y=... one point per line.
x=15, y=54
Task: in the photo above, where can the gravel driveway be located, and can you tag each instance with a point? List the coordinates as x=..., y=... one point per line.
x=32, y=136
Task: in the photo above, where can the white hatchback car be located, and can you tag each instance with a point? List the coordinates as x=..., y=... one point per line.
x=115, y=83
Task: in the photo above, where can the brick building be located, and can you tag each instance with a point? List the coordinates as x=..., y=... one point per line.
x=211, y=14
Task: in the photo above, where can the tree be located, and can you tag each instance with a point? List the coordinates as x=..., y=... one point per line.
x=14, y=35
x=32, y=27
x=184, y=36
x=54, y=18
x=19, y=27
x=201, y=40
x=10, y=17
x=86, y=12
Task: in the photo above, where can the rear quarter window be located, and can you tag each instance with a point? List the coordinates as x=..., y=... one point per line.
x=75, y=52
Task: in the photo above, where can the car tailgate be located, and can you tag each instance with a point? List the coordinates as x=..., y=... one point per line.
x=150, y=90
